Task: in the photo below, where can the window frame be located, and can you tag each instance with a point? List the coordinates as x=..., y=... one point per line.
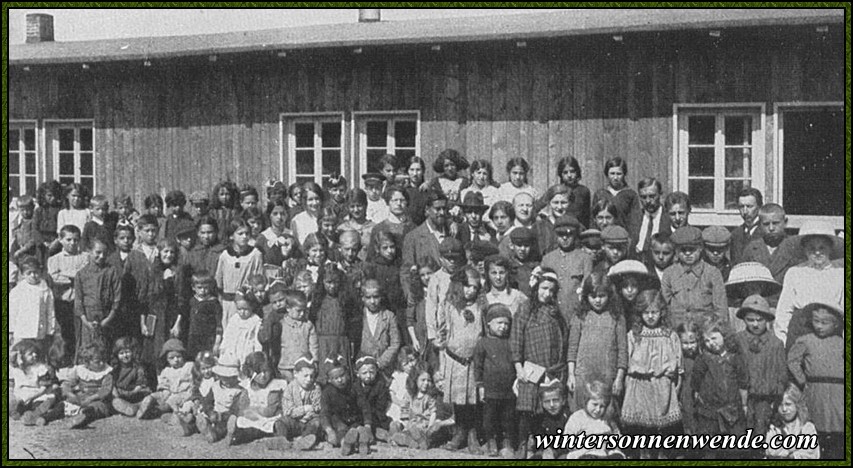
x=50, y=132
x=680, y=179
x=287, y=148
x=27, y=124
x=779, y=108
x=359, y=134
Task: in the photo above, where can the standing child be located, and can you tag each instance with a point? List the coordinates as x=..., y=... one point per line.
x=154, y=206
x=270, y=240
x=449, y=181
x=300, y=408
x=89, y=386
x=125, y=214
x=497, y=285
x=256, y=219
x=34, y=400
x=452, y=260
x=616, y=240
x=385, y=268
x=423, y=427
x=75, y=211
x=136, y=282
x=176, y=200
x=630, y=278
x=262, y=405
x=26, y=238
x=97, y=296
x=654, y=368
x=570, y=262
x=99, y=226
x=49, y=198
x=416, y=314
x=522, y=258
x=689, y=334
x=204, y=316
x=340, y=415
x=130, y=381
x=463, y=313
x=518, y=170
x=748, y=279
x=236, y=264
x=593, y=419
x=357, y=219
x=661, y=255
x=147, y=227
x=371, y=390
x=200, y=204
x=816, y=362
x=377, y=209
x=174, y=384
x=298, y=335
x=168, y=300
x=379, y=333
x=716, y=241
x=240, y=335
x=792, y=418
x=332, y=319
x=223, y=205
x=555, y=415
x=494, y=374
x=31, y=307
x=204, y=255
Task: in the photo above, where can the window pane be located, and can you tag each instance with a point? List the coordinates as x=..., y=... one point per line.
x=66, y=180
x=305, y=162
x=302, y=179
x=31, y=186
x=89, y=183
x=404, y=155
x=404, y=134
x=305, y=135
x=331, y=135
x=30, y=139
x=738, y=162
x=373, y=156
x=814, y=176
x=85, y=139
x=701, y=193
x=14, y=186
x=701, y=129
x=66, y=139
x=733, y=188
x=739, y=130
x=66, y=163
x=14, y=163
x=30, y=162
x=14, y=137
x=331, y=161
x=700, y=162
x=377, y=134
x=87, y=166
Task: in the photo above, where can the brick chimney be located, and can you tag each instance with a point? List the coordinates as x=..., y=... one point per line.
x=368, y=15
x=39, y=28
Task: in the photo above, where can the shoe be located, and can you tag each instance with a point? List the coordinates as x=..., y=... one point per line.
x=456, y=441
x=474, y=443
x=492, y=448
x=506, y=452
x=79, y=420
x=41, y=422
x=350, y=439
x=203, y=425
x=185, y=422
x=125, y=408
x=145, y=407
x=305, y=443
x=29, y=418
x=168, y=419
x=279, y=443
x=364, y=448
x=521, y=454
x=401, y=439
x=231, y=435
x=382, y=435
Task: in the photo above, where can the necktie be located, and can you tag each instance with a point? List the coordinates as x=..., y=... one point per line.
x=649, y=232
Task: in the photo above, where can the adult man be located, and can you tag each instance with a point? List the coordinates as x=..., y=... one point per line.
x=774, y=249
x=748, y=202
x=654, y=219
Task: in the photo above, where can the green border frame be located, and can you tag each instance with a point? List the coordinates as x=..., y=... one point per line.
x=5, y=211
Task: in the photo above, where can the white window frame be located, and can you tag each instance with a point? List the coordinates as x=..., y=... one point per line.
x=779, y=108
x=40, y=163
x=50, y=132
x=359, y=134
x=680, y=112
x=287, y=151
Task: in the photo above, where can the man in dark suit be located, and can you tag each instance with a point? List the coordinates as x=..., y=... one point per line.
x=774, y=248
x=749, y=202
x=654, y=219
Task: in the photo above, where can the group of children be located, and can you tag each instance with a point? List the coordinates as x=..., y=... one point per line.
x=307, y=327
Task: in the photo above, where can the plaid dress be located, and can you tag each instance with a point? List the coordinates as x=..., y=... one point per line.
x=539, y=336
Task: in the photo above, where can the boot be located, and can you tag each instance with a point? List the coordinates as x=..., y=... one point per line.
x=81, y=419
x=507, y=453
x=350, y=439
x=521, y=454
x=492, y=448
x=365, y=437
x=231, y=435
x=29, y=418
x=203, y=425
x=185, y=422
x=474, y=442
x=305, y=442
x=401, y=439
x=145, y=407
x=456, y=441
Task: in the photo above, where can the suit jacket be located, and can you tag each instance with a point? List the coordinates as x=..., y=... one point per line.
x=418, y=245
x=665, y=226
x=383, y=344
x=740, y=239
x=788, y=254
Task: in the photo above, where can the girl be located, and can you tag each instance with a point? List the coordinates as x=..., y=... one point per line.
x=340, y=416
x=625, y=199
x=538, y=340
x=654, y=366
x=131, y=383
x=357, y=220
x=249, y=198
x=463, y=312
x=424, y=425
x=449, y=181
x=75, y=211
x=385, y=268
x=316, y=253
x=88, y=388
x=154, y=206
x=593, y=419
x=168, y=299
x=306, y=222
x=261, y=408
x=597, y=341
x=415, y=169
x=482, y=181
x=416, y=314
x=256, y=220
x=204, y=315
x=517, y=169
x=46, y=214
x=792, y=418
x=174, y=384
x=569, y=175
x=329, y=226
x=816, y=363
x=497, y=287
x=35, y=399
x=223, y=205
x=294, y=200
x=236, y=264
x=398, y=410
x=331, y=320
x=604, y=214
x=631, y=277
x=688, y=334
x=502, y=216
x=240, y=335
x=397, y=222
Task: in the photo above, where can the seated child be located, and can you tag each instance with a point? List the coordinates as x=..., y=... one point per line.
x=424, y=426
x=260, y=407
x=221, y=400
x=174, y=385
x=299, y=426
x=89, y=387
x=371, y=389
x=593, y=419
x=340, y=414
x=35, y=399
x=398, y=410
x=792, y=419
x=131, y=383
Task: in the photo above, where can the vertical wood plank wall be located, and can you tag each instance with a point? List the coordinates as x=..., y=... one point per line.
x=189, y=123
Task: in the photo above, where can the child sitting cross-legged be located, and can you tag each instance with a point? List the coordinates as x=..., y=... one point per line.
x=88, y=387
x=131, y=383
x=299, y=425
x=340, y=415
x=423, y=427
x=220, y=402
x=371, y=389
x=260, y=405
x=35, y=399
x=174, y=385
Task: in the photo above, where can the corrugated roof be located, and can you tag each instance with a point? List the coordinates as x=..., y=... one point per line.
x=429, y=31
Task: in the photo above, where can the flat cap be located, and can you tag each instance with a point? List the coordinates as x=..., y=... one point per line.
x=480, y=250
x=687, y=235
x=522, y=236
x=591, y=238
x=199, y=196
x=566, y=222
x=451, y=248
x=716, y=236
x=614, y=234
x=372, y=178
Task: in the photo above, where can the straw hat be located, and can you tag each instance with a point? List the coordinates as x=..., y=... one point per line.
x=227, y=367
x=832, y=308
x=749, y=272
x=633, y=267
x=817, y=228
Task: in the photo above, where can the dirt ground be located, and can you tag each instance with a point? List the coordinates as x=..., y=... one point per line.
x=119, y=437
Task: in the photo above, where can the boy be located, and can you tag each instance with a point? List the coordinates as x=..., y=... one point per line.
x=570, y=263
x=296, y=335
x=379, y=334
x=336, y=185
x=97, y=297
x=175, y=214
x=258, y=283
x=591, y=243
x=125, y=214
x=677, y=205
x=616, y=240
x=716, y=240
x=340, y=414
x=26, y=239
x=205, y=315
x=31, y=308
x=62, y=268
x=147, y=227
x=554, y=416
x=174, y=385
x=494, y=373
x=661, y=255
x=300, y=409
x=200, y=203
x=522, y=241
x=373, y=396
x=99, y=225
x=221, y=402
x=764, y=356
x=135, y=283
x=477, y=252
x=204, y=255
x=377, y=209
x=185, y=237
x=350, y=264
x=692, y=288
x=452, y=259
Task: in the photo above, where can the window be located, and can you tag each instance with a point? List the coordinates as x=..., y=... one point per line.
x=719, y=152
x=377, y=134
x=23, y=163
x=73, y=149
x=314, y=146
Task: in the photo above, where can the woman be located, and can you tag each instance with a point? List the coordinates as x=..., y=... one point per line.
x=624, y=198
x=415, y=169
x=569, y=175
x=397, y=222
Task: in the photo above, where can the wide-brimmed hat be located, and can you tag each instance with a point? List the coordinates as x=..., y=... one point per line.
x=473, y=201
x=749, y=272
x=226, y=367
x=173, y=344
x=833, y=308
x=757, y=304
x=817, y=228
x=624, y=268
x=453, y=155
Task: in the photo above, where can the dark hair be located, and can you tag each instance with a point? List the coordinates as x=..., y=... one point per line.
x=646, y=299
x=463, y=277
x=234, y=225
x=255, y=213
x=203, y=277
x=152, y=201
x=387, y=159
x=274, y=202
x=256, y=363
x=605, y=205
x=29, y=262
x=81, y=189
x=496, y=260
x=534, y=300
x=616, y=162
x=517, y=162
x=416, y=160
x=390, y=191
x=356, y=196
x=93, y=350
x=662, y=238
x=595, y=283
x=677, y=198
x=248, y=191
x=567, y=161
x=504, y=206
x=752, y=192
x=231, y=187
x=483, y=164
x=293, y=298
x=123, y=199
x=405, y=351
x=125, y=227
x=26, y=200
x=332, y=273
x=69, y=228
x=314, y=188
x=419, y=368
x=649, y=181
x=147, y=219
x=125, y=342
x=207, y=220
x=689, y=326
x=52, y=187
x=176, y=198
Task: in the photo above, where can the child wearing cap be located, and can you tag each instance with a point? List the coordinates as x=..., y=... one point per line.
x=692, y=288
x=200, y=203
x=300, y=407
x=748, y=279
x=570, y=263
x=174, y=385
x=764, y=355
x=716, y=251
x=591, y=243
x=522, y=244
x=616, y=242
x=175, y=214
x=373, y=395
x=377, y=208
x=494, y=374
x=261, y=405
x=213, y=418
x=379, y=335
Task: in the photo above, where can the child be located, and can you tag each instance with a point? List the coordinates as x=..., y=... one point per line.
x=75, y=211
x=764, y=356
x=236, y=264
x=329, y=221
x=554, y=416
x=792, y=418
x=298, y=335
x=168, y=300
x=258, y=289
x=248, y=197
x=624, y=199
x=49, y=198
x=661, y=255
x=654, y=367
x=294, y=200
x=416, y=315
x=518, y=170
x=523, y=242
x=398, y=409
x=220, y=402
x=449, y=182
x=154, y=206
x=300, y=407
x=174, y=384
x=240, y=334
x=385, y=268
x=99, y=225
x=136, y=283
x=377, y=209
x=97, y=296
x=350, y=264
x=688, y=334
x=570, y=262
x=205, y=315
x=463, y=314
x=256, y=220
x=200, y=204
x=593, y=419
x=316, y=253
x=816, y=362
x=748, y=279
x=336, y=187
x=497, y=286
x=35, y=398
x=31, y=306
x=616, y=242
x=716, y=242
x=175, y=214
x=597, y=339
x=340, y=414
x=720, y=383
x=677, y=206
x=357, y=219
x=630, y=278
x=147, y=226
x=26, y=238
x=591, y=244
x=262, y=406
x=332, y=319
x=502, y=216
x=305, y=223
x=692, y=288
x=223, y=205
x=371, y=390
x=125, y=214
x=89, y=386
x=483, y=183
x=494, y=375
x=452, y=259
x=270, y=240
x=130, y=381
x=205, y=252
x=379, y=333
x=423, y=427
